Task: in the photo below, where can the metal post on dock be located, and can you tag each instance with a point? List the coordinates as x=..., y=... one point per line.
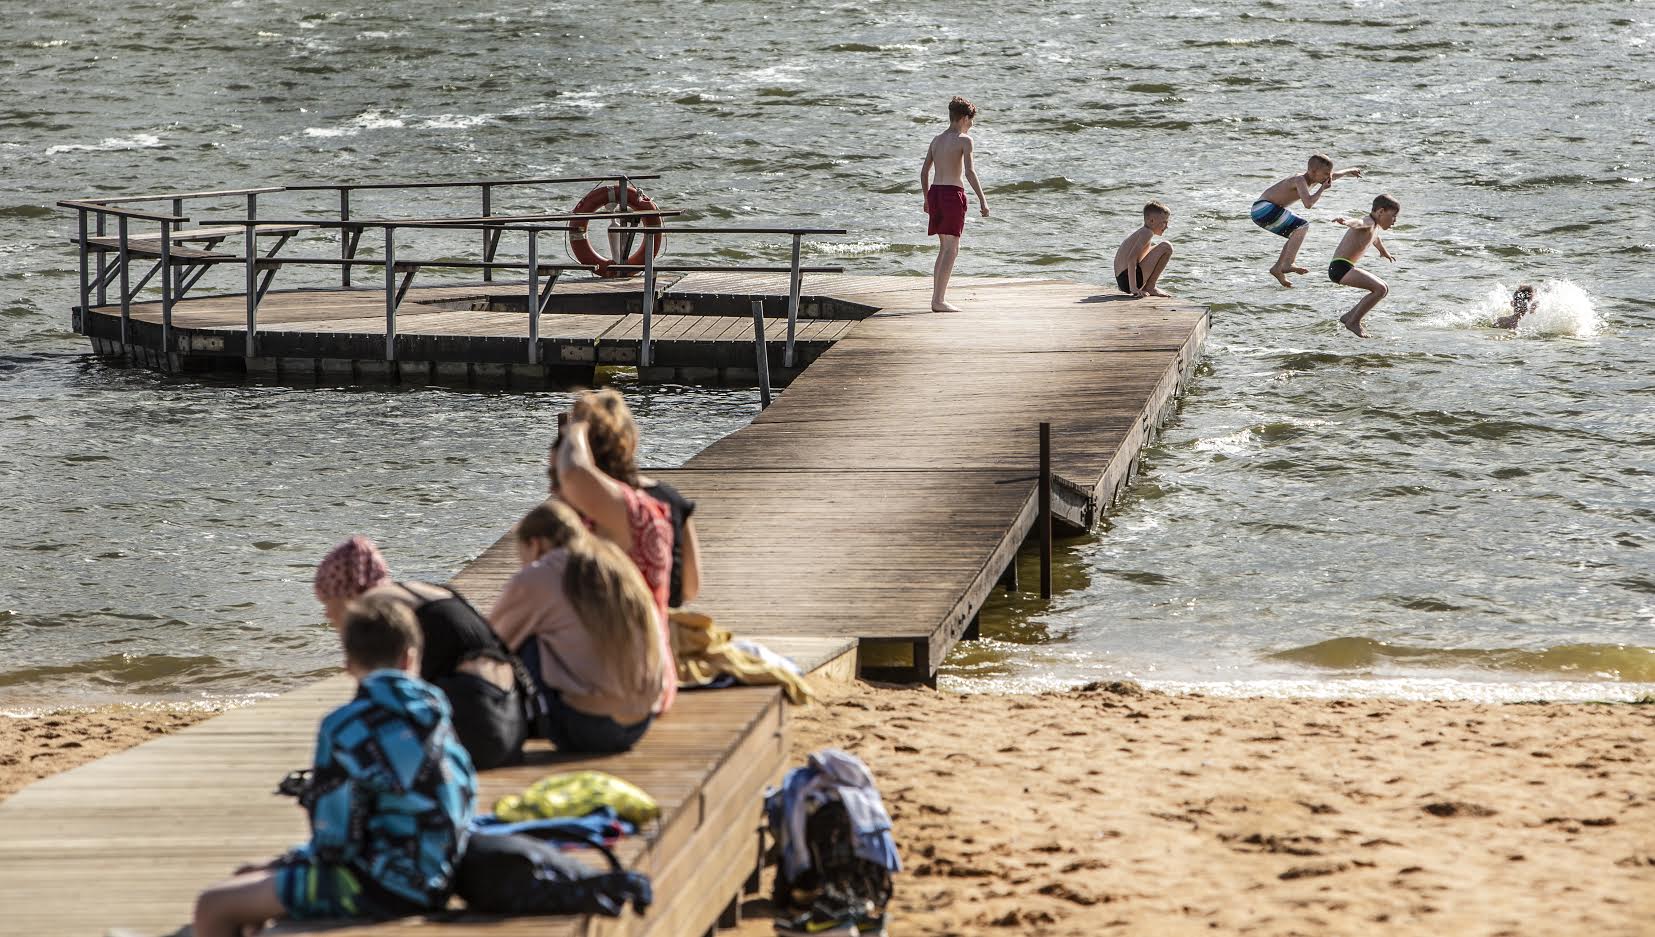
x=177, y=211
x=793, y=287
x=390, y=293
x=166, y=295
x=534, y=288
x=85, y=283
x=103, y=264
x=763, y=352
x=649, y=298
x=345, y=242
x=620, y=245
x=1045, y=501
x=488, y=255
x=250, y=254
x=126, y=291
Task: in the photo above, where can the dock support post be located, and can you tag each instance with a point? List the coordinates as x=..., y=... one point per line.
x=85, y=282
x=390, y=293
x=103, y=264
x=1045, y=500
x=794, y=285
x=763, y=351
x=974, y=630
x=534, y=286
x=644, y=356
x=126, y=292
x=488, y=251
x=166, y=295
x=251, y=273
x=1008, y=579
x=347, y=244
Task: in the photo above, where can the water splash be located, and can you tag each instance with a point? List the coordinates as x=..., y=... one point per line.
x=1562, y=310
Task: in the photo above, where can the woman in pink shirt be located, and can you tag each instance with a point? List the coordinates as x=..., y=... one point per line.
x=615, y=508
x=584, y=623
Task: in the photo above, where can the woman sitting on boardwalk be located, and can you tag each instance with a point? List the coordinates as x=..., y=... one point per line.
x=461, y=655
x=585, y=624
x=613, y=506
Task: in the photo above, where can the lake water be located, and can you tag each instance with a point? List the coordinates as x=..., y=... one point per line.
x=1446, y=509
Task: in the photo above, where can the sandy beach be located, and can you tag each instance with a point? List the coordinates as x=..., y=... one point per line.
x=1112, y=810
x=34, y=747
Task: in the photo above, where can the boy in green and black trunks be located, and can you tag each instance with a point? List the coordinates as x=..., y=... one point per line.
x=1343, y=270
x=1271, y=211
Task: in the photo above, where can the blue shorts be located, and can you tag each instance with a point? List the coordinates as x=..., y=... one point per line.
x=312, y=890
x=1276, y=219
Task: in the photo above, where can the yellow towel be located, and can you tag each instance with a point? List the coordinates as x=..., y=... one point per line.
x=704, y=651
x=576, y=794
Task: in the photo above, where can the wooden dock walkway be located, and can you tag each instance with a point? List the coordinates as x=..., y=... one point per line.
x=873, y=507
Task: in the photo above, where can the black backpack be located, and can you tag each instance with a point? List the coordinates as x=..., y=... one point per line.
x=837, y=878
x=516, y=873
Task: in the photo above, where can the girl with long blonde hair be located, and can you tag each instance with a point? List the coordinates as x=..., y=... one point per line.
x=585, y=624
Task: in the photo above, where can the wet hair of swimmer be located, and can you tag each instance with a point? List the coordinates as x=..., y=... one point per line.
x=1522, y=298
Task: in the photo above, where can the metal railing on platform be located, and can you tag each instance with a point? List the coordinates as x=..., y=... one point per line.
x=182, y=268
x=794, y=270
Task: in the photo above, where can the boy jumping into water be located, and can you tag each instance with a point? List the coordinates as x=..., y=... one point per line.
x=1271, y=213
x=1343, y=270
x=950, y=153
x=1138, y=267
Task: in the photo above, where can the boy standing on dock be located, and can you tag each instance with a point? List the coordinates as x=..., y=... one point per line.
x=950, y=154
x=1138, y=267
x=389, y=797
x=1271, y=212
x=1343, y=270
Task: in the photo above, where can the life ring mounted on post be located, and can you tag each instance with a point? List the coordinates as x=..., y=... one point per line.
x=607, y=198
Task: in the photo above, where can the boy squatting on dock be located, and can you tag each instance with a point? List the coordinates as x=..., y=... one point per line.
x=1343, y=270
x=1271, y=211
x=1138, y=267
x=379, y=847
x=950, y=154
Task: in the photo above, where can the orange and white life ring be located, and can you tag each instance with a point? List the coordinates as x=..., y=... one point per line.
x=607, y=198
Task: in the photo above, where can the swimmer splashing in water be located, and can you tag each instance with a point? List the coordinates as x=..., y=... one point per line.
x=1523, y=302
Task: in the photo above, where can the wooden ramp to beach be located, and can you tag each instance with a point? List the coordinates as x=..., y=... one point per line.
x=126, y=842
x=863, y=518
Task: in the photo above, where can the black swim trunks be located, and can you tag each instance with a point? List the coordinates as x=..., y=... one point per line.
x=1338, y=268
x=1125, y=285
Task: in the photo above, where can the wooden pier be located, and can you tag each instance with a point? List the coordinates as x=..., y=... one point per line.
x=859, y=523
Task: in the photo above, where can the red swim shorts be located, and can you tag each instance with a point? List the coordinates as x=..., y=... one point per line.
x=946, y=206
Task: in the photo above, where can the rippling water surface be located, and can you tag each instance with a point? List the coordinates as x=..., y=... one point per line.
x=1443, y=508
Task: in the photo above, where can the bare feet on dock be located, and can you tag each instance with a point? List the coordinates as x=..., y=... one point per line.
x=1281, y=277
x=1355, y=325
x=945, y=307
x=1157, y=292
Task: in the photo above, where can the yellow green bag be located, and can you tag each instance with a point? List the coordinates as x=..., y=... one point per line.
x=576, y=794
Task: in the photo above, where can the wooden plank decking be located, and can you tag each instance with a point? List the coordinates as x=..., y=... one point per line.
x=876, y=503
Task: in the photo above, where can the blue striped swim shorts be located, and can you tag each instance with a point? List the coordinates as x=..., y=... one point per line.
x=1276, y=219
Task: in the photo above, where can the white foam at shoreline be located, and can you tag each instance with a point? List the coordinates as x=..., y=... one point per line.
x=1402, y=688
